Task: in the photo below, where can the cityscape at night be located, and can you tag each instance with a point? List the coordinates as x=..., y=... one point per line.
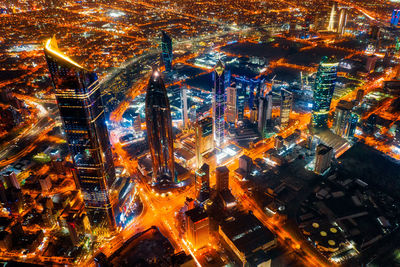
x=200, y=133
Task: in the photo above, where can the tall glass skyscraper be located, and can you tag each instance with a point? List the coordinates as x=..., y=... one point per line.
x=265, y=114
x=323, y=91
x=221, y=81
x=159, y=131
x=166, y=46
x=241, y=101
x=82, y=112
x=286, y=107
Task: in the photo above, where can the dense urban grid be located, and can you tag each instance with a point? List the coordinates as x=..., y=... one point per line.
x=199, y=133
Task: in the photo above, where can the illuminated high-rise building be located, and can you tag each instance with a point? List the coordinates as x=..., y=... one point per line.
x=341, y=27
x=231, y=105
x=252, y=90
x=332, y=18
x=351, y=125
x=202, y=182
x=395, y=17
x=197, y=227
x=166, y=47
x=323, y=91
x=159, y=130
x=323, y=157
x=342, y=117
x=221, y=82
x=222, y=178
x=184, y=108
x=82, y=112
x=204, y=138
x=286, y=107
x=265, y=114
x=240, y=101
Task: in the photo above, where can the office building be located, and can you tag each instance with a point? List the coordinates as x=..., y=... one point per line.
x=202, y=182
x=341, y=27
x=345, y=121
x=279, y=142
x=197, y=227
x=241, y=101
x=204, y=138
x=265, y=114
x=82, y=112
x=247, y=237
x=159, y=131
x=184, y=108
x=323, y=91
x=351, y=125
x=332, y=18
x=245, y=164
x=286, y=107
x=323, y=157
x=370, y=63
x=253, y=115
x=342, y=115
x=222, y=178
x=231, y=105
x=251, y=89
x=166, y=47
x=221, y=82
x=360, y=95
x=395, y=17
x=10, y=179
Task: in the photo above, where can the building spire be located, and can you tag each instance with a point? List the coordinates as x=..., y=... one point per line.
x=51, y=48
x=219, y=68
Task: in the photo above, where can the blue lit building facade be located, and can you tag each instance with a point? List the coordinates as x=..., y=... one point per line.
x=323, y=91
x=82, y=112
x=166, y=47
x=221, y=82
x=240, y=101
x=252, y=89
x=395, y=17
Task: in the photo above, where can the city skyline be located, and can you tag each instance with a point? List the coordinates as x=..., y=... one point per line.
x=199, y=133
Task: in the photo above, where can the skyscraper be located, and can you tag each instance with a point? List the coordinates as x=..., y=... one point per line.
x=184, y=108
x=265, y=114
x=82, y=112
x=221, y=81
x=204, y=138
x=332, y=18
x=342, y=117
x=323, y=91
x=197, y=227
x=341, y=27
x=231, y=103
x=286, y=107
x=166, y=47
x=351, y=125
x=202, y=182
x=241, y=101
x=159, y=130
x=222, y=178
x=323, y=157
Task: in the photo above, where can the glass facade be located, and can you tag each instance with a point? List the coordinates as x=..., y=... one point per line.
x=166, y=47
x=265, y=114
x=221, y=82
x=159, y=131
x=286, y=107
x=82, y=112
x=323, y=91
